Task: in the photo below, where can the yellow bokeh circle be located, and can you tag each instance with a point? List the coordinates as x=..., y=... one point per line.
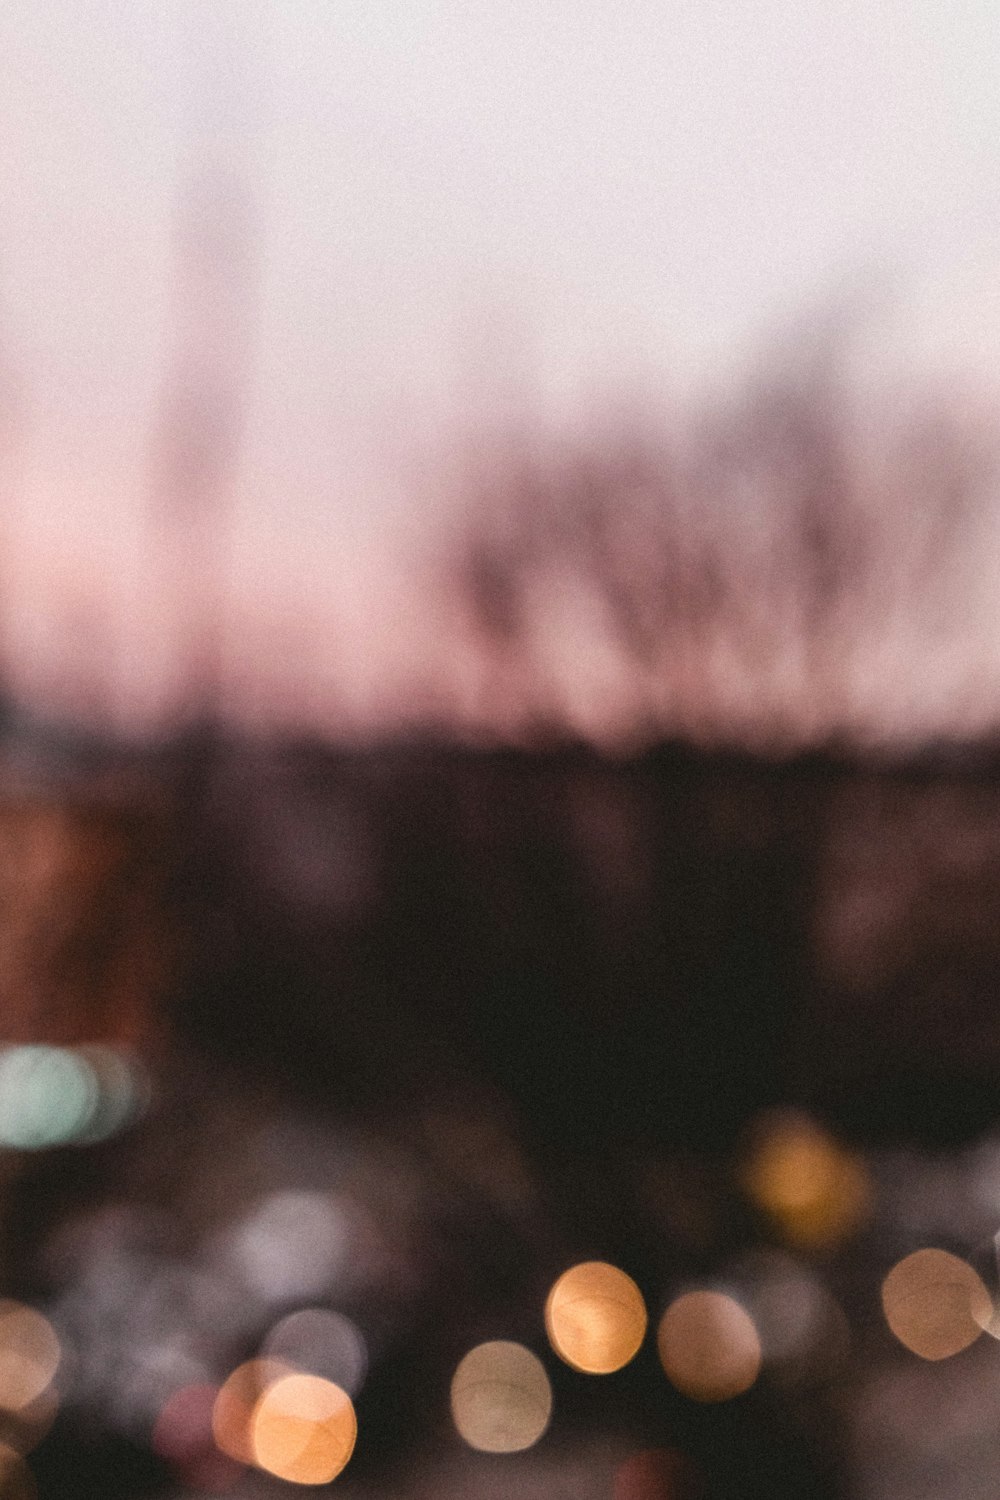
x=595, y=1318
x=234, y=1406
x=304, y=1429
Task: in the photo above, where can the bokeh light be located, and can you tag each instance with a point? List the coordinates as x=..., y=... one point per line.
x=16, y=1480
x=935, y=1303
x=658, y=1474
x=709, y=1346
x=122, y=1092
x=60, y=1096
x=501, y=1399
x=292, y=1245
x=803, y=1332
x=595, y=1318
x=985, y=1261
x=183, y=1436
x=304, y=1429
x=138, y=1324
x=183, y=1428
x=48, y=1096
x=318, y=1341
x=232, y=1413
x=30, y=1354
x=815, y=1192
x=23, y=1430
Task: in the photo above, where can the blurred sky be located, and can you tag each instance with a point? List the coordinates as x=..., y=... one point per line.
x=449, y=199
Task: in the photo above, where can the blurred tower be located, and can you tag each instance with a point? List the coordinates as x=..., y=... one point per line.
x=203, y=399
x=200, y=427
x=10, y=457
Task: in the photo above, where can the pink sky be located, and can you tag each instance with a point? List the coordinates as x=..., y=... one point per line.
x=452, y=202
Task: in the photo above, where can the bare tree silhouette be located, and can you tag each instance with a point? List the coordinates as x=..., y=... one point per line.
x=739, y=569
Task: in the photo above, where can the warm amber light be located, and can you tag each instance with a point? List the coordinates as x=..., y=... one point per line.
x=595, y=1318
x=501, y=1400
x=935, y=1303
x=235, y=1403
x=304, y=1429
x=29, y=1355
x=16, y=1480
x=709, y=1346
x=23, y=1430
x=816, y=1192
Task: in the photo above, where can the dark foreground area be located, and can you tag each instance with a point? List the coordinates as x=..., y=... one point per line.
x=421, y=1027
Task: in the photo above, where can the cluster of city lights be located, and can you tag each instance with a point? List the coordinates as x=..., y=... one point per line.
x=289, y=1411
x=298, y=1426
x=596, y=1321
x=714, y=1341
x=711, y=1344
x=60, y=1096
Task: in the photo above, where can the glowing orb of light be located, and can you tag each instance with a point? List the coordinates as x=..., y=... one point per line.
x=16, y=1480
x=317, y=1341
x=709, y=1346
x=935, y=1303
x=501, y=1400
x=48, y=1096
x=815, y=1191
x=595, y=1318
x=30, y=1354
x=232, y=1413
x=304, y=1429
x=292, y=1245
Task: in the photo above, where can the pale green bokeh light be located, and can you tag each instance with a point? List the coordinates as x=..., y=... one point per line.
x=48, y=1097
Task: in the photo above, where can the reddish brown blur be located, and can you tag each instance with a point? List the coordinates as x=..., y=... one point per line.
x=81, y=943
x=183, y=1436
x=659, y=1474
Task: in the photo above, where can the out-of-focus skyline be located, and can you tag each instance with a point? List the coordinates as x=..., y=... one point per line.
x=450, y=201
